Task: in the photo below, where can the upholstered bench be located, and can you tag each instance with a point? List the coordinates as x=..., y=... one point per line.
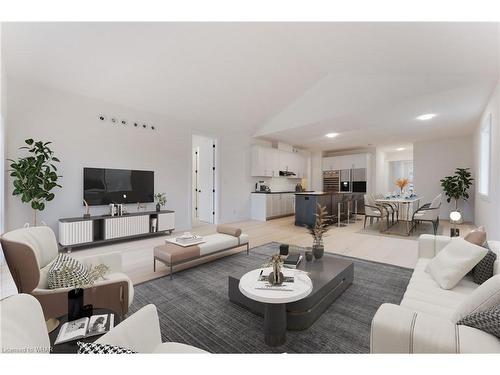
x=226, y=238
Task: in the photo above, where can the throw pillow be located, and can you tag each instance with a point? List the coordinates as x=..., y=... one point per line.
x=66, y=271
x=94, y=348
x=476, y=236
x=487, y=321
x=484, y=269
x=486, y=296
x=454, y=261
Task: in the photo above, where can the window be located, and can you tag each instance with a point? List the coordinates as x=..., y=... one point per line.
x=484, y=157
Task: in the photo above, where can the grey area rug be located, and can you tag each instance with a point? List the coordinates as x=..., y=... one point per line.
x=398, y=230
x=194, y=308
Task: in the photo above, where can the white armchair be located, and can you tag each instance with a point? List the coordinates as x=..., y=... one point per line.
x=29, y=253
x=141, y=333
x=23, y=330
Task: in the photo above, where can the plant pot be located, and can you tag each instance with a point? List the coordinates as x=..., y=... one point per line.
x=75, y=304
x=318, y=249
x=158, y=207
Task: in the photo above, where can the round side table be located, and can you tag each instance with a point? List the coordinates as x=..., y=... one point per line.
x=275, y=299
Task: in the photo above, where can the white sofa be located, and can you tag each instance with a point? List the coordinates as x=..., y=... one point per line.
x=423, y=322
x=23, y=330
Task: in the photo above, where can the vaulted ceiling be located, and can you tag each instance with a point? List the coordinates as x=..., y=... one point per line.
x=291, y=82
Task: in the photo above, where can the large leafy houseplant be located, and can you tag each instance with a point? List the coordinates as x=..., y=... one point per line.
x=457, y=186
x=35, y=175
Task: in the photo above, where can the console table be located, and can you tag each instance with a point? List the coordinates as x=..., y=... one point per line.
x=95, y=230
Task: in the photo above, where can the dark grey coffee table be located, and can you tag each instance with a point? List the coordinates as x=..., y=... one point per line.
x=330, y=275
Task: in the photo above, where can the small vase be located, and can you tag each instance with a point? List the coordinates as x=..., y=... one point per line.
x=75, y=304
x=309, y=256
x=318, y=249
x=158, y=207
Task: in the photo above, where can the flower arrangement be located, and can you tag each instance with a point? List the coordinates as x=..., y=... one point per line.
x=402, y=183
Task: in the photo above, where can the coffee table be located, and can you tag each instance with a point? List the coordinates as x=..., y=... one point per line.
x=275, y=299
x=330, y=276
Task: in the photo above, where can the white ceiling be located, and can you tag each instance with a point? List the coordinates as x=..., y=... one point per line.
x=291, y=82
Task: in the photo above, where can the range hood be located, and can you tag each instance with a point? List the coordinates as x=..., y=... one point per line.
x=287, y=173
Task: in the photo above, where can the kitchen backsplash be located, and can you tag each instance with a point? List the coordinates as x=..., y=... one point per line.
x=280, y=183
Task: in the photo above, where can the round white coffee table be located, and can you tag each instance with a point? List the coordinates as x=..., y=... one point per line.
x=275, y=299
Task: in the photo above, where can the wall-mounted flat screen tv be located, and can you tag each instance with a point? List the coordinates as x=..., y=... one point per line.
x=104, y=186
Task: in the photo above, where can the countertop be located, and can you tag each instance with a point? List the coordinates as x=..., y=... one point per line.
x=324, y=192
x=278, y=192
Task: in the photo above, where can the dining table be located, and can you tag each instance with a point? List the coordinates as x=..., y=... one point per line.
x=406, y=205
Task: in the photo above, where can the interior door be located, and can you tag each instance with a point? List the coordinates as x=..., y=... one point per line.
x=206, y=180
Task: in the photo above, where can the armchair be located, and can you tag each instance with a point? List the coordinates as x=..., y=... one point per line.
x=429, y=212
x=29, y=253
x=22, y=328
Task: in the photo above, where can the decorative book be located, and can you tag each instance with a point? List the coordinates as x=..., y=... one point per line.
x=85, y=327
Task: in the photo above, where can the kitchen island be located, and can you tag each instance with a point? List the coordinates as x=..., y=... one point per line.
x=306, y=205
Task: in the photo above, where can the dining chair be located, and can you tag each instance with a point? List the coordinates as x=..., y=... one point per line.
x=429, y=212
x=374, y=211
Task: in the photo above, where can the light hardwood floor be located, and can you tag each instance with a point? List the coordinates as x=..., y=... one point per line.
x=351, y=240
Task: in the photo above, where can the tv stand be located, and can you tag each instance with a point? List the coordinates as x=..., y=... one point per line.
x=78, y=232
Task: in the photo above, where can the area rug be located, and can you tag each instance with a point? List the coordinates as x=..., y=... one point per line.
x=194, y=308
x=398, y=230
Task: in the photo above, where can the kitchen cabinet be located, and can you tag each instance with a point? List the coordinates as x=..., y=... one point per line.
x=336, y=163
x=272, y=205
x=267, y=162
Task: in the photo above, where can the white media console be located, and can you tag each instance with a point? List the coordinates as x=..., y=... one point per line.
x=87, y=231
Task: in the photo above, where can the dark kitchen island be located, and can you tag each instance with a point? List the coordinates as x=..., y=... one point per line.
x=306, y=205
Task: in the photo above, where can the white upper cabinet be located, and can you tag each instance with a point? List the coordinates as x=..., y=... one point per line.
x=264, y=161
x=335, y=163
x=267, y=162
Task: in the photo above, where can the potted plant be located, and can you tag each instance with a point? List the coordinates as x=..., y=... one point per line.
x=457, y=187
x=321, y=225
x=161, y=200
x=35, y=175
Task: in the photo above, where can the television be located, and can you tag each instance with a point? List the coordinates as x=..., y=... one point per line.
x=104, y=186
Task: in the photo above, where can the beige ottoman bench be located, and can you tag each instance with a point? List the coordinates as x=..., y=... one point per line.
x=226, y=238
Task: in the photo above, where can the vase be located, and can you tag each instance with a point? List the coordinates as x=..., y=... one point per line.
x=318, y=249
x=75, y=304
x=309, y=256
x=158, y=207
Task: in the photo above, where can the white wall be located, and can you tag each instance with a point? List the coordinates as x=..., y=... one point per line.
x=433, y=160
x=80, y=139
x=487, y=210
x=3, y=116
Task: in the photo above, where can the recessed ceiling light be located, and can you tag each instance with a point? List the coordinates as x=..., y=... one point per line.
x=426, y=116
x=400, y=149
x=331, y=135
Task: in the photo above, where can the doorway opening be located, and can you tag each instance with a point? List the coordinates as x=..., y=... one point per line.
x=204, y=153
